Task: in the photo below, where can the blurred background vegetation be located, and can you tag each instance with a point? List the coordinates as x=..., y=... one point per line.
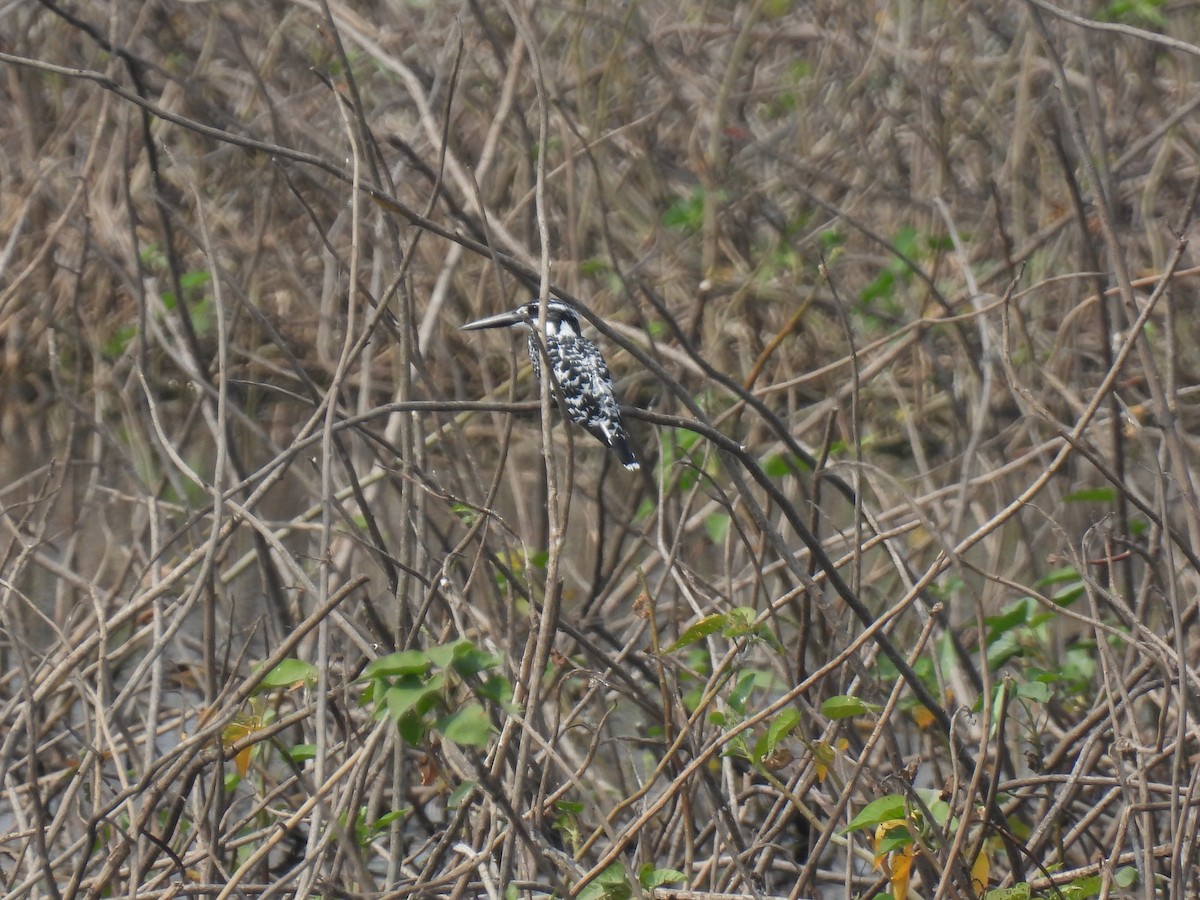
x=303, y=592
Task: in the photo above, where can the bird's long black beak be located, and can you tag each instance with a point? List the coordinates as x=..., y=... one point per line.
x=502, y=320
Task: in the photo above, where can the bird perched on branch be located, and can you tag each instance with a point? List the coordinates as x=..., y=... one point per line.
x=580, y=372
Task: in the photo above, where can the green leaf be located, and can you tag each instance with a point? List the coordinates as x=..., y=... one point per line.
x=1058, y=576
x=1068, y=594
x=645, y=509
x=443, y=655
x=388, y=818
x=116, y=345
x=498, y=689
x=460, y=793
x=681, y=441
x=742, y=620
x=895, y=838
x=938, y=808
x=610, y=892
x=742, y=691
x=152, y=256
x=831, y=237
x=412, y=694
x=846, y=706
x=611, y=884
x=193, y=280
x=651, y=877
x=466, y=514
x=1081, y=888
x=700, y=630
x=404, y=662
x=1126, y=876
x=412, y=728
x=469, y=726
x=686, y=213
x=781, y=726
x=1037, y=691
x=474, y=661
x=880, y=287
x=737, y=748
x=1002, y=650
x=462, y=656
x=717, y=526
x=614, y=874
x=1013, y=615
x=907, y=241
x=301, y=753
x=885, y=809
x=289, y=673
x=1137, y=12
x=594, y=266
x=781, y=464
x=1092, y=495
x=1016, y=892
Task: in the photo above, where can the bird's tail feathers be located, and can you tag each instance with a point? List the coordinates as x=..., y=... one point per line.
x=624, y=452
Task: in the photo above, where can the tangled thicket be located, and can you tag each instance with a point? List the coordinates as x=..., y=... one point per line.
x=304, y=592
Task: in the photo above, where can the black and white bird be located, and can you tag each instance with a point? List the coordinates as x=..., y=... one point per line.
x=579, y=369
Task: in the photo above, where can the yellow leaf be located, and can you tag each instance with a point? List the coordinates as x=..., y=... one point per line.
x=882, y=830
x=980, y=872
x=822, y=757
x=923, y=717
x=899, y=871
x=241, y=762
x=239, y=728
x=896, y=864
x=824, y=754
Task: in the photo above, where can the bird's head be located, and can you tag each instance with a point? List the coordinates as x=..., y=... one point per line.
x=560, y=315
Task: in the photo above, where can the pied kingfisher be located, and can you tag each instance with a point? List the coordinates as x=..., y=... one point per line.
x=580, y=370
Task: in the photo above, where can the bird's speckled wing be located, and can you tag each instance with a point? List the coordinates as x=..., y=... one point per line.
x=587, y=391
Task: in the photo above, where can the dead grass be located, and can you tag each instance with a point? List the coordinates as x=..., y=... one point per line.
x=898, y=296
